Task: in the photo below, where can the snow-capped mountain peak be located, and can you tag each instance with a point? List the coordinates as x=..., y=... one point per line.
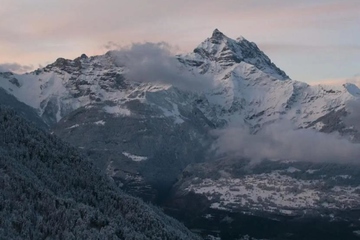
x=94, y=104
x=227, y=52
x=248, y=86
x=217, y=35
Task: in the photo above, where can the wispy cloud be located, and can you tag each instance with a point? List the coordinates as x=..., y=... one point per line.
x=296, y=48
x=338, y=81
x=353, y=117
x=41, y=30
x=155, y=62
x=282, y=141
x=15, y=67
x=110, y=45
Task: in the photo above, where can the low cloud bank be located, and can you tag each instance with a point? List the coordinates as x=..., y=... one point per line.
x=155, y=63
x=281, y=141
x=15, y=67
x=353, y=117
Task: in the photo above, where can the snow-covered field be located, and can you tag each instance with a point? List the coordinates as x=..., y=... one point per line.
x=275, y=192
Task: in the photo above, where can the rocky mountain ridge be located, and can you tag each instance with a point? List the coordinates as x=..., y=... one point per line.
x=144, y=134
x=248, y=86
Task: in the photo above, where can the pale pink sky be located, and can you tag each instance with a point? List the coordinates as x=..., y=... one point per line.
x=310, y=40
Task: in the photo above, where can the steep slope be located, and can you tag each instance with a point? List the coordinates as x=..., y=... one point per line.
x=64, y=86
x=252, y=91
x=21, y=108
x=249, y=88
x=227, y=52
x=48, y=190
x=91, y=97
x=144, y=133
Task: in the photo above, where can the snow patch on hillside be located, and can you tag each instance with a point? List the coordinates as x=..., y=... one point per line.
x=73, y=126
x=174, y=113
x=135, y=157
x=101, y=122
x=117, y=110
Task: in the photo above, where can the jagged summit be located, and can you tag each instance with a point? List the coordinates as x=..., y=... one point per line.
x=216, y=32
x=83, y=56
x=241, y=73
x=217, y=35
x=143, y=134
x=227, y=52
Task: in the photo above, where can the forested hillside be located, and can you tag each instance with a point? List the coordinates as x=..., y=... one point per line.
x=49, y=191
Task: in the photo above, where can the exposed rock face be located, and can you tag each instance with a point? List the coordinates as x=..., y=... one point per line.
x=228, y=52
x=148, y=133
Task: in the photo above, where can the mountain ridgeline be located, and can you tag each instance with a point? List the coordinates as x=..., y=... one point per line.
x=217, y=129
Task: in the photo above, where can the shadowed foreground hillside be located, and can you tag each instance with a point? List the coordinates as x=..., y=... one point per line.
x=49, y=191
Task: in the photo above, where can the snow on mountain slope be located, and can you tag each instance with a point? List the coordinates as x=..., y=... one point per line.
x=90, y=102
x=67, y=85
x=250, y=89
x=228, y=52
x=27, y=112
